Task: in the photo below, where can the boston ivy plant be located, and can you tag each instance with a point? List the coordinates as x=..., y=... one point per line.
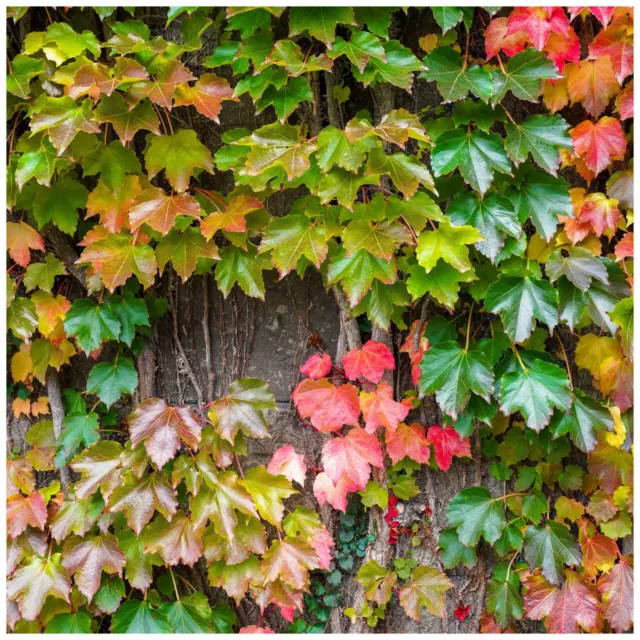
x=504, y=214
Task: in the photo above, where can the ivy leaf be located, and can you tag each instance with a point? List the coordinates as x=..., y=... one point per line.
x=330, y=407
x=267, y=492
x=442, y=283
x=77, y=622
x=523, y=76
x=592, y=83
x=374, y=494
x=377, y=581
x=161, y=88
x=110, y=594
x=131, y=312
x=179, y=155
x=475, y=513
x=425, y=588
x=286, y=99
x=585, y=417
x=616, y=588
x=21, y=238
x=454, y=552
x=111, y=162
x=127, y=122
x=408, y=440
x=406, y=172
x=184, y=250
x=446, y=444
x=449, y=17
x=452, y=373
x=321, y=22
x=38, y=163
x=599, y=143
x=503, y=594
x=335, y=148
x=579, y=267
x=23, y=511
x=136, y=616
x=550, y=548
x=285, y=461
x=139, y=567
x=384, y=302
x=455, y=79
x=616, y=42
x=87, y=558
x=62, y=119
x=206, y=95
x=184, y=617
x=292, y=237
x=22, y=318
x=288, y=54
x=162, y=427
x=109, y=380
x=117, y=258
x=91, y=323
x=23, y=70
x=42, y=274
x=492, y=215
x=78, y=428
x=34, y=582
x=475, y=153
x=447, y=242
x=174, y=540
x=343, y=186
x=622, y=315
x=520, y=300
x=243, y=408
x=357, y=272
x=59, y=204
x=99, y=466
x=159, y=210
x=361, y=46
x=534, y=391
x=379, y=239
x=396, y=68
x=370, y=362
x=242, y=267
x=380, y=409
x=540, y=136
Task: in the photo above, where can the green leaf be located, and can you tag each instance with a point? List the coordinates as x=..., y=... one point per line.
x=131, y=312
x=59, y=204
x=550, y=548
x=224, y=618
x=39, y=163
x=455, y=79
x=343, y=186
x=475, y=513
x=396, y=69
x=127, y=122
x=109, y=380
x=286, y=99
x=578, y=267
x=77, y=622
x=406, y=172
x=466, y=111
x=321, y=22
x=541, y=136
x=454, y=553
x=242, y=267
x=249, y=21
x=291, y=237
x=374, y=494
x=452, y=373
x=523, y=76
x=535, y=505
x=492, y=215
x=135, y=616
x=622, y=315
x=384, y=302
x=361, y=46
x=77, y=428
x=334, y=148
x=442, y=283
x=112, y=162
x=267, y=492
x=23, y=70
x=381, y=240
x=503, y=594
x=110, y=594
x=475, y=153
x=357, y=272
x=42, y=274
x=185, y=617
x=376, y=19
x=179, y=155
x=22, y=318
x=520, y=300
x=448, y=243
x=449, y=17
x=91, y=323
x=600, y=299
x=534, y=391
x=184, y=250
x=377, y=581
x=586, y=416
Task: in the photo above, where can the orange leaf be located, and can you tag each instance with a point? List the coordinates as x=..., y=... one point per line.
x=21, y=237
x=370, y=362
x=408, y=440
x=600, y=143
x=496, y=40
x=328, y=406
x=592, y=83
x=159, y=211
x=379, y=409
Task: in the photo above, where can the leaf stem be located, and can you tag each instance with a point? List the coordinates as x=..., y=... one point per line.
x=175, y=586
x=517, y=355
x=566, y=361
x=466, y=52
x=466, y=346
x=239, y=465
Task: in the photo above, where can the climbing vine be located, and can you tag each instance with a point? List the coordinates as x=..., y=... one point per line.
x=491, y=231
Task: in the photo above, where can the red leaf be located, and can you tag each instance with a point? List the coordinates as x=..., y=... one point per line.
x=616, y=42
x=624, y=248
x=408, y=440
x=317, y=366
x=563, y=49
x=322, y=541
x=23, y=511
x=600, y=212
x=446, y=444
x=335, y=494
x=255, y=629
x=599, y=553
x=379, y=409
x=369, y=362
x=575, y=606
x=496, y=40
x=328, y=406
x=287, y=462
x=539, y=598
x=616, y=588
x=352, y=456
x=603, y=14
x=624, y=102
x=539, y=23
x=600, y=143
x=416, y=347
x=461, y=612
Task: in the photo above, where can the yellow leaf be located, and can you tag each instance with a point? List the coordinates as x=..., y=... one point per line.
x=21, y=407
x=617, y=438
x=592, y=350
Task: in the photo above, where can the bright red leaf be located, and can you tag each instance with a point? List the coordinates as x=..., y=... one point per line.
x=600, y=143
x=379, y=409
x=539, y=23
x=317, y=366
x=370, y=362
x=329, y=407
x=446, y=444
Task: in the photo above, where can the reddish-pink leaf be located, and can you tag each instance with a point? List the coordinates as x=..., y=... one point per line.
x=539, y=23
x=616, y=41
x=255, y=629
x=603, y=14
x=624, y=248
x=162, y=427
x=160, y=89
x=287, y=462
x=599, y=553
x=370, y=362
x=462, y=612
x=562, y=49
x=329, y=407
x=379, y=409
x=206, y=95
x=416, y=346
x=352, y=456
x=575, y=606
x=601, y=213
x=408, y=440
x=600, y=143
x=624, y=102
x=539, y=598
x=496, y=40
x=446, y=444
x=317, y=366
x=335, y=494
x=23, y=511
x=322, y=541
x=616, y=588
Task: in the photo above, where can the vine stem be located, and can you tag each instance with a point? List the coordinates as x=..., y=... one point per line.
x=466, y=52
x=239, y=465
x=175, y=586
x=517, y=355
x=566, y=361
x=466, y=346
